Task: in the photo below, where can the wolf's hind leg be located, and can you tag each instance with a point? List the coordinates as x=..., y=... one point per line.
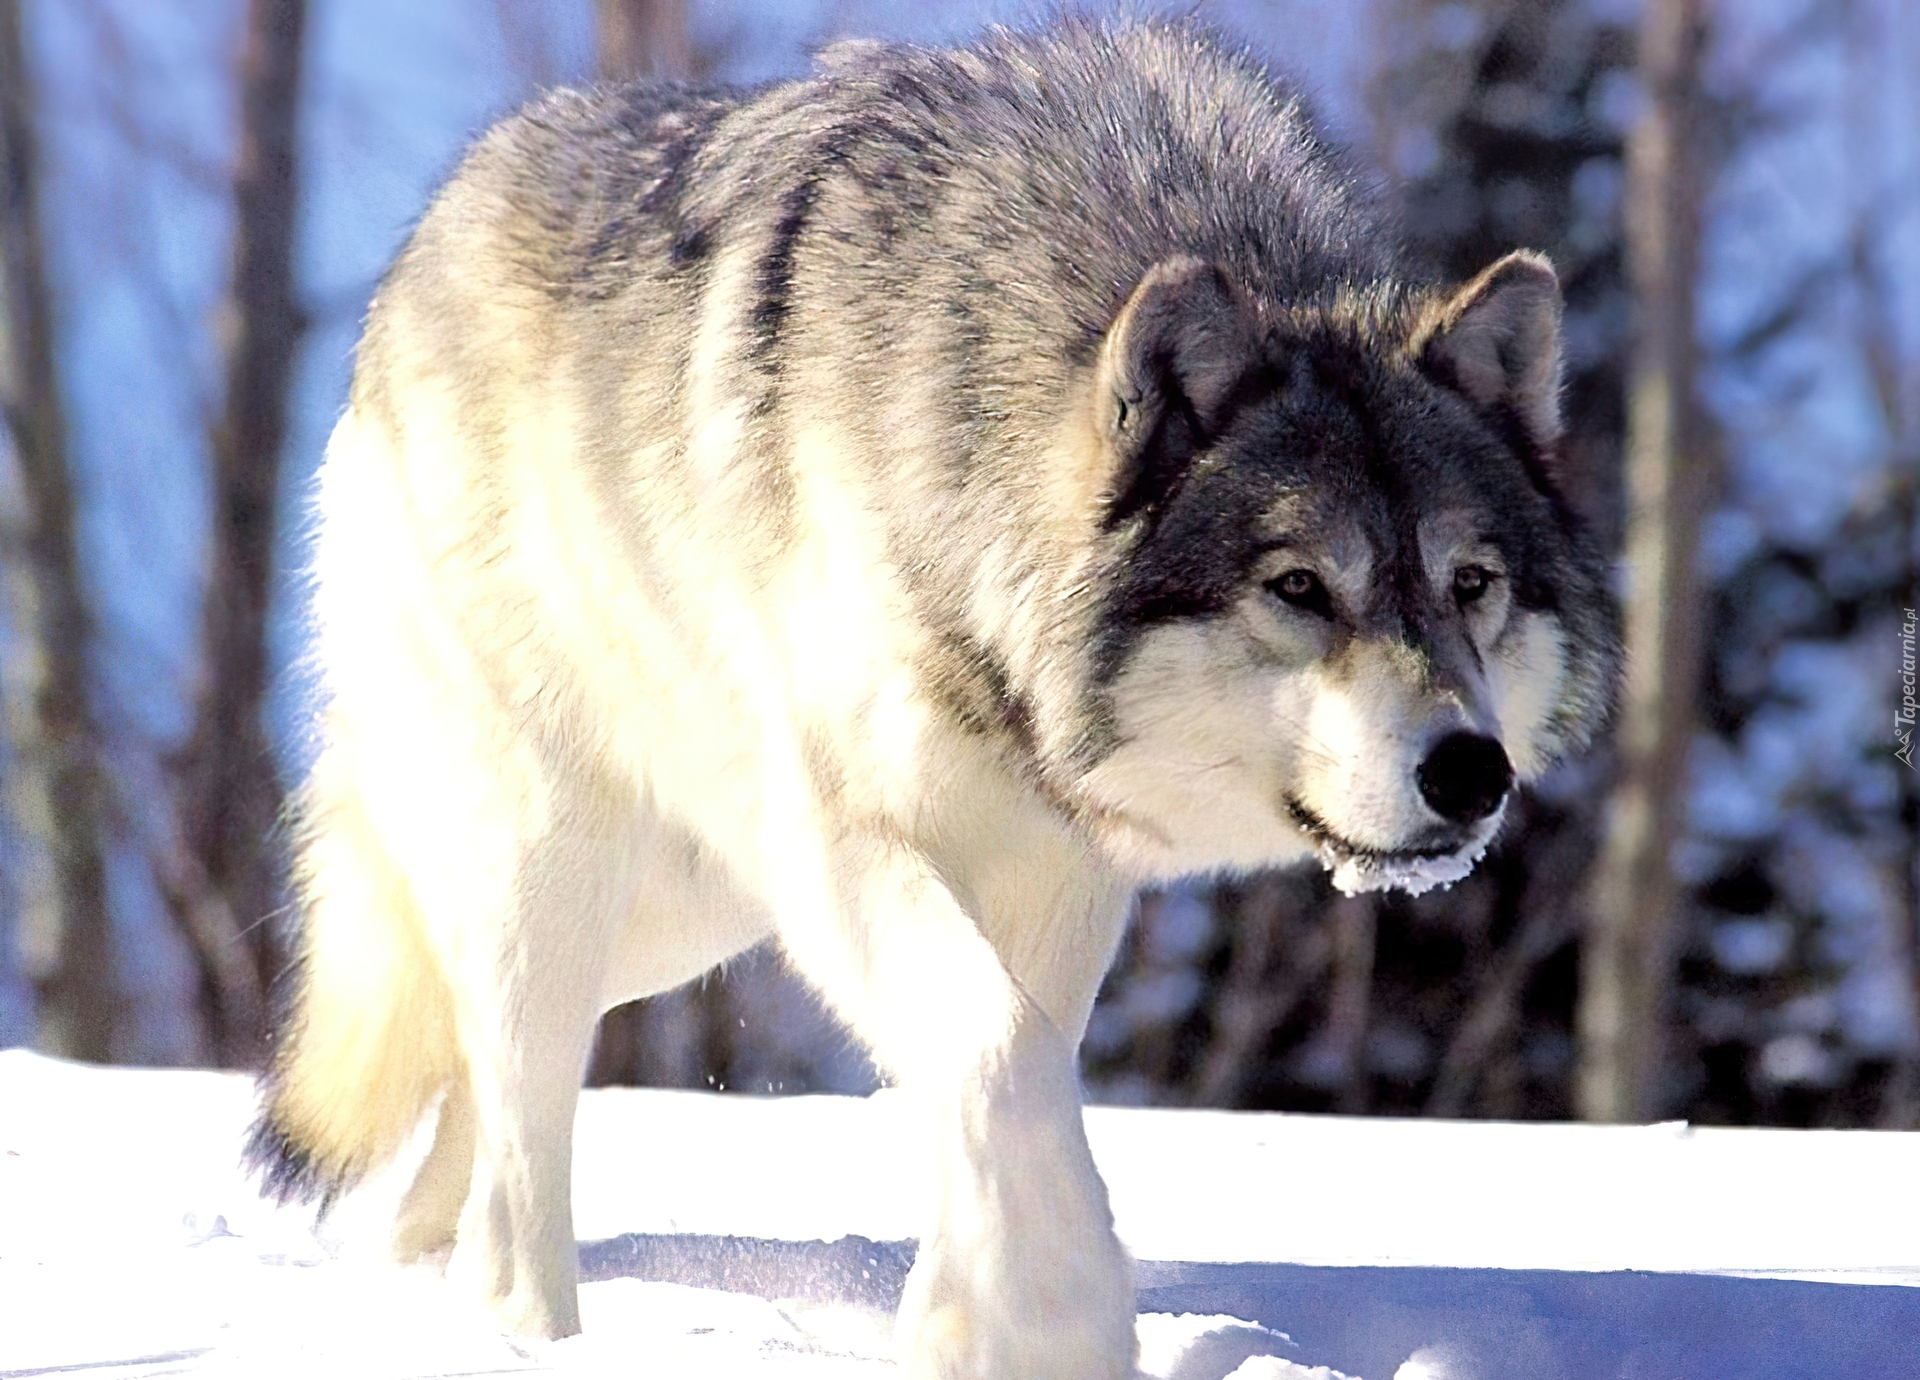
x=515, y=1243
x=527, y=997
x=534, y=959
x=430, y=1213
x=519, y=906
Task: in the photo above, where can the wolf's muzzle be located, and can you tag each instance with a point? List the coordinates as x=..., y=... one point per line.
x=1465, y=777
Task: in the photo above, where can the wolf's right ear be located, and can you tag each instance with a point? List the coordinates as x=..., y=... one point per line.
x=1171, y=368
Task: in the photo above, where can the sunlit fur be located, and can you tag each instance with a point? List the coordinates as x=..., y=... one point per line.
x=847, y=514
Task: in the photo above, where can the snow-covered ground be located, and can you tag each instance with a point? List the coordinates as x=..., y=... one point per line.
x=729, y=1234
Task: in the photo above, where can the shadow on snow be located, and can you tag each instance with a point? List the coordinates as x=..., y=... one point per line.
x=1368, y=1320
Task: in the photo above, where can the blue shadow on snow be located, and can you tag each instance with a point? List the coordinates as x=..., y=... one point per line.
x=1367, y=1321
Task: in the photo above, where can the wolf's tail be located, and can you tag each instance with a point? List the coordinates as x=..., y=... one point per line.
x=367, y=1036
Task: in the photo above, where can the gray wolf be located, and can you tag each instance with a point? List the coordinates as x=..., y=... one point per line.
x=899, y=512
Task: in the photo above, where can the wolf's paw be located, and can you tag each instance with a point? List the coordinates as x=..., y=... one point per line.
x=533, y=1298
x=414, y=1241
x=1074, y=1325
x=951, y=1343
x=536, y=1314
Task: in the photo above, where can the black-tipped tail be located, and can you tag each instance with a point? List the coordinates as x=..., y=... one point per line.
x=287, y=1171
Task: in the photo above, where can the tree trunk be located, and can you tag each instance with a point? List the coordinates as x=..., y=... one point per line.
x=1349, y=1004
x=1627, y=955
x=224, y=880
x=56, y=791
x=642, y=39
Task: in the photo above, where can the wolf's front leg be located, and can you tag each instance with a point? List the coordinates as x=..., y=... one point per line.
x=1019, y=1275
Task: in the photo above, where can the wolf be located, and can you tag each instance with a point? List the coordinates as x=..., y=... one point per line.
x=897, y=512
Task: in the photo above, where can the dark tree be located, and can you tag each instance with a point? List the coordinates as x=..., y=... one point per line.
x=642, y=38
x=224, y=880
x=54, y=747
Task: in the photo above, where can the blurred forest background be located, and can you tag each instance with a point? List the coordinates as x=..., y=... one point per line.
x=1712, y=916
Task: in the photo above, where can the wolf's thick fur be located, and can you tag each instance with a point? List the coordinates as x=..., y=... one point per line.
x=899, y=512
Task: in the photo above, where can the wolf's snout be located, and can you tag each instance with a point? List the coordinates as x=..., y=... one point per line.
x=1465, y=777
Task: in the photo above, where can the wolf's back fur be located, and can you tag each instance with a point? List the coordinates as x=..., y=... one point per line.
x=899, y=511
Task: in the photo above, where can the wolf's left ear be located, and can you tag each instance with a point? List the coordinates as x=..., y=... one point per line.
x=1171, y=370
x=1498, y=341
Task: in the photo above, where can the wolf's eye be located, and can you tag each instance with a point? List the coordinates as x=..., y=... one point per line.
x=1470, y=582
x=1302, y=589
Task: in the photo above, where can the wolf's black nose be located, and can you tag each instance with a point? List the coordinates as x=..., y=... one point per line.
x=1465, y=777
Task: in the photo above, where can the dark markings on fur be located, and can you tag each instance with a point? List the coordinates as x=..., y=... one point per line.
x=776, y=269
x=823, y=767
x=1169, y=460
x=825, y=162
x=689, y=249
x=978, y=691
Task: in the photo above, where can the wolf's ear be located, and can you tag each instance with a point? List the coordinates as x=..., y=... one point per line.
x=1171, y=369
x=1498, y=341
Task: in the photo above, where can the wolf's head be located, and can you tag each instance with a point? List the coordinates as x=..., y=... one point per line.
x=1349, y=600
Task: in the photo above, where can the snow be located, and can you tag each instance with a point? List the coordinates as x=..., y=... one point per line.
x=740, y=1235
x=1353, y=873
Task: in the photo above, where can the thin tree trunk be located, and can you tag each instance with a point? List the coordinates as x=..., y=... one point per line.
x=224, y=882
x=1627, y=955
x=642, y=39
x=1495, y=1010
x=1349, y=1005
x=1273, y=963
x=57, y=790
